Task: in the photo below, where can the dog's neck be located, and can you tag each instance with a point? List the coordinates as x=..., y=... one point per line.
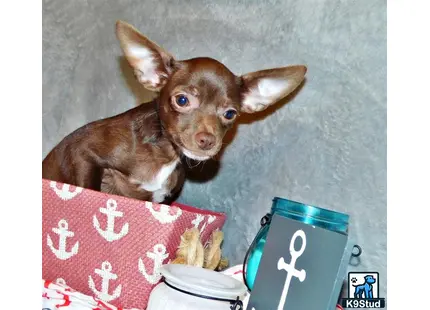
x=149, y=128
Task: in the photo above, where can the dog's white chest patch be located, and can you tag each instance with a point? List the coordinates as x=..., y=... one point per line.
x=158, y=184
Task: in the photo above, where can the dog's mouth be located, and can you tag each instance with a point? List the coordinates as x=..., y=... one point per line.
x=194, y=156
x=193, y=152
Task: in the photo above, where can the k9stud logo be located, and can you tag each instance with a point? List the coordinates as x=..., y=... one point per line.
x=363, y=291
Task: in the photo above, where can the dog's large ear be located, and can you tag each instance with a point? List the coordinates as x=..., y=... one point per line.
x=152, y=65
x=263, y=88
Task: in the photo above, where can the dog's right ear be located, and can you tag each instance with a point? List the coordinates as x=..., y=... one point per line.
x=152, y=65
x=263, y=88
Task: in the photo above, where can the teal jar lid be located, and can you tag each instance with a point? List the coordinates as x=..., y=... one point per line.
x=312, y=215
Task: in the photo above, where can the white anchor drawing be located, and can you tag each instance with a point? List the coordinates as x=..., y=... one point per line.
x=65, y=193
x=196, y=222
x=111, y=212
x=164, y=216
x=290, y=268
x=211, y=219
x=158, y=256
x=106, y=275
x=200, y=218
x=63, y=233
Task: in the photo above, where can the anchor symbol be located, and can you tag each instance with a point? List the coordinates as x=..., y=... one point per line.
x=196, y=222
x=63, y=233
x=291, y=267
x=158, y=256
x=106, y=275
x=164, y=215
x=64, y=193
x=200, y=218
x=110, y=210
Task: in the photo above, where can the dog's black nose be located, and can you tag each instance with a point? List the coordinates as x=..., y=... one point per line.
x=205, y=140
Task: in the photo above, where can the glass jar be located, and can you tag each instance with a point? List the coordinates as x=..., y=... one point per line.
x=194, y=288
x=312, y=215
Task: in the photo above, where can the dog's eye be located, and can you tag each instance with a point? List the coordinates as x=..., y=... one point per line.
x=230, y=114
x=181, y=100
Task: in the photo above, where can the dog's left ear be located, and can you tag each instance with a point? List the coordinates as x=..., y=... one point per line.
x=263, y=88
x=152, y=64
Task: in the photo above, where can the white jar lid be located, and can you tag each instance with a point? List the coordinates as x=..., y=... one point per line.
x=202, y=281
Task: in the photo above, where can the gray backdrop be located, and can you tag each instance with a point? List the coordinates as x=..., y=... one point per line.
x=327, y=146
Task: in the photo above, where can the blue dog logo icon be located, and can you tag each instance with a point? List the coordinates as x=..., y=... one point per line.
x=364, y=290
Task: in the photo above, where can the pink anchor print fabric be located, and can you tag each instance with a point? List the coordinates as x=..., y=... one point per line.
x=111, y=247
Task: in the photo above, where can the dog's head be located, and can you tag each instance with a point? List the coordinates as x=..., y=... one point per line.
x=199, y=99
x=369, y=279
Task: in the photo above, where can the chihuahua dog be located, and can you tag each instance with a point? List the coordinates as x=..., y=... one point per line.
x=138, y=153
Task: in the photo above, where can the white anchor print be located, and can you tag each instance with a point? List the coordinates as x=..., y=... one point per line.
x=64, y=193
x=158, y=256
x=111, y=212
x=163, y=216
x=200, y=218
x=196, y=222
x=290, y=268
x=211, y=219
x=106, y=275
x=63, y=233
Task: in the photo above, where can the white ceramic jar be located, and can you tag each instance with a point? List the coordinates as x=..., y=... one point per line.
x=183, y=283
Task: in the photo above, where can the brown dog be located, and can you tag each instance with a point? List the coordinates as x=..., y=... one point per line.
x=137, y=153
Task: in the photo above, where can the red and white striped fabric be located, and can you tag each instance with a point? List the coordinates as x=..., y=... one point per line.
x=59, y=296
x=111, y=247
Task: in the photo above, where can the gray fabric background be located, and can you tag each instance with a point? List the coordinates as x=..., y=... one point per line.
x=327, y=146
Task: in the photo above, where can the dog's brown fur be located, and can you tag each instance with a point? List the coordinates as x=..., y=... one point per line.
x=126, y=154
